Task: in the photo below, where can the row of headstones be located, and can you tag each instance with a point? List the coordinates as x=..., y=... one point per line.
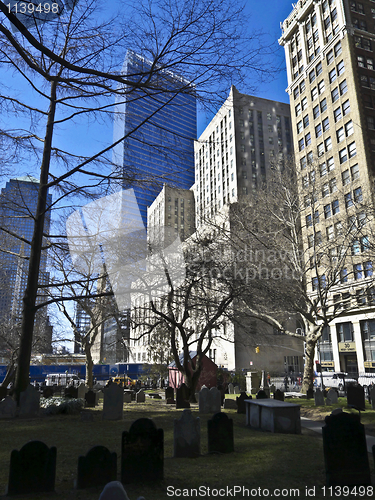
x=33, y=468
x=210, y=400
x=114, y=399
x=355, y=396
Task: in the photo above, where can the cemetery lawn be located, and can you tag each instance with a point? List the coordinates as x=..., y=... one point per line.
x=260, y=460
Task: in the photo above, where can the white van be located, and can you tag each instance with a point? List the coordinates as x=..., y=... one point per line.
x=333, y=380
x=63, y=379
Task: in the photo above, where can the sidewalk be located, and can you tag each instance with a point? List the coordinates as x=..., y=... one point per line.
x=317, y=427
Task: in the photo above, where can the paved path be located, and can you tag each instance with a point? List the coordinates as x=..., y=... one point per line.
x=317, y=427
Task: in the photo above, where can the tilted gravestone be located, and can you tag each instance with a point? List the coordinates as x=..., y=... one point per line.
x=140, y=396
x=236, y=390
x=332, y=397
x=29, y=402
x=169, y=395
x=71, y=392
x=32, y=469
x=345, y=450
x=47, y=392
x=261, y=394
x=142, y=457
x=127, y=397
x=81, y=391
x=319, y=398
x=230, y=404
x=187, y=436
x=230, y=388
x=278, y=395
x=97, y=468
x=113, y=403
x=8, y=408
x=355, y=396
x=182, y=397
x=372, y=396
x=241, y=406
x=90, y=399
x=220, y=434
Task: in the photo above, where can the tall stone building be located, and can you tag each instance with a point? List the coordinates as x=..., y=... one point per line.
x=233, y=154
x=329, y=49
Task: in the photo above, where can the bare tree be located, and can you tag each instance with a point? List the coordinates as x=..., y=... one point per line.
x=70, y=67
x=312, y=276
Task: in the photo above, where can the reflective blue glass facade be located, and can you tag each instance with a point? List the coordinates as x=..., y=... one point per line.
x=159, y=125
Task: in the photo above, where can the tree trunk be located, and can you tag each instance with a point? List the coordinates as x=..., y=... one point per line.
x=308, y=373
x=10, y=374
x=89, y=368
x=29, y=299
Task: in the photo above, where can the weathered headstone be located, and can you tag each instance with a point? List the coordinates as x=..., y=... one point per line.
x=98, y=395
x=355, y=396
x=47, y=392
x=32, y=469
x=140, y=396
x=97, y=468
x=220, y=434
x=273, y=388
x=142, y=457
x=8, y=408
x=209, y=400
x=230, y=404
x=278, y=395
x=113, y=403
x=29, y=402
x=182, y=397
x=169, y=395
x=332, y=398
x=81, y=391
x=345, y=450
x=90, y=399
x=261, y=394
x=187, y=436
x=230, y=388
x=127, y=397
x=372, y=396
x=241, y=406
x=237, y=389
x=71, y=392
x=319, y=398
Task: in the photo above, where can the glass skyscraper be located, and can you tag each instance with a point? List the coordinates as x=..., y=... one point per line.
x=159, y=128
x=18, y=202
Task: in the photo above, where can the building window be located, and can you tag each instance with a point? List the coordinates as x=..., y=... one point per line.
x=335, y=207
x=312, y=76
x=320, y=149
x=330, y=164
x=358, y=274
x=327, y=211
x=345, y=332
x=343, y=87
x=343, y=154
x=332, y=75
x=340, y=68
x=323, y=105
x=340, y=134
x=352, y=150
x=318, y=130
x=354, y=172
x=345, y=178
x=348, y=200
x=323, y=169
x=368, y=269
x=316, y=112
x=358, y=197
x=321, y=87
x=337, y=114
x=330, y=57
x=314, y=94
x=335, y=94
x=328, y=144
x=308, y=139
x=346, y=107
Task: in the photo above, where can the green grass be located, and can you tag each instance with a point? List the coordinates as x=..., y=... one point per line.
x=260, y=460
